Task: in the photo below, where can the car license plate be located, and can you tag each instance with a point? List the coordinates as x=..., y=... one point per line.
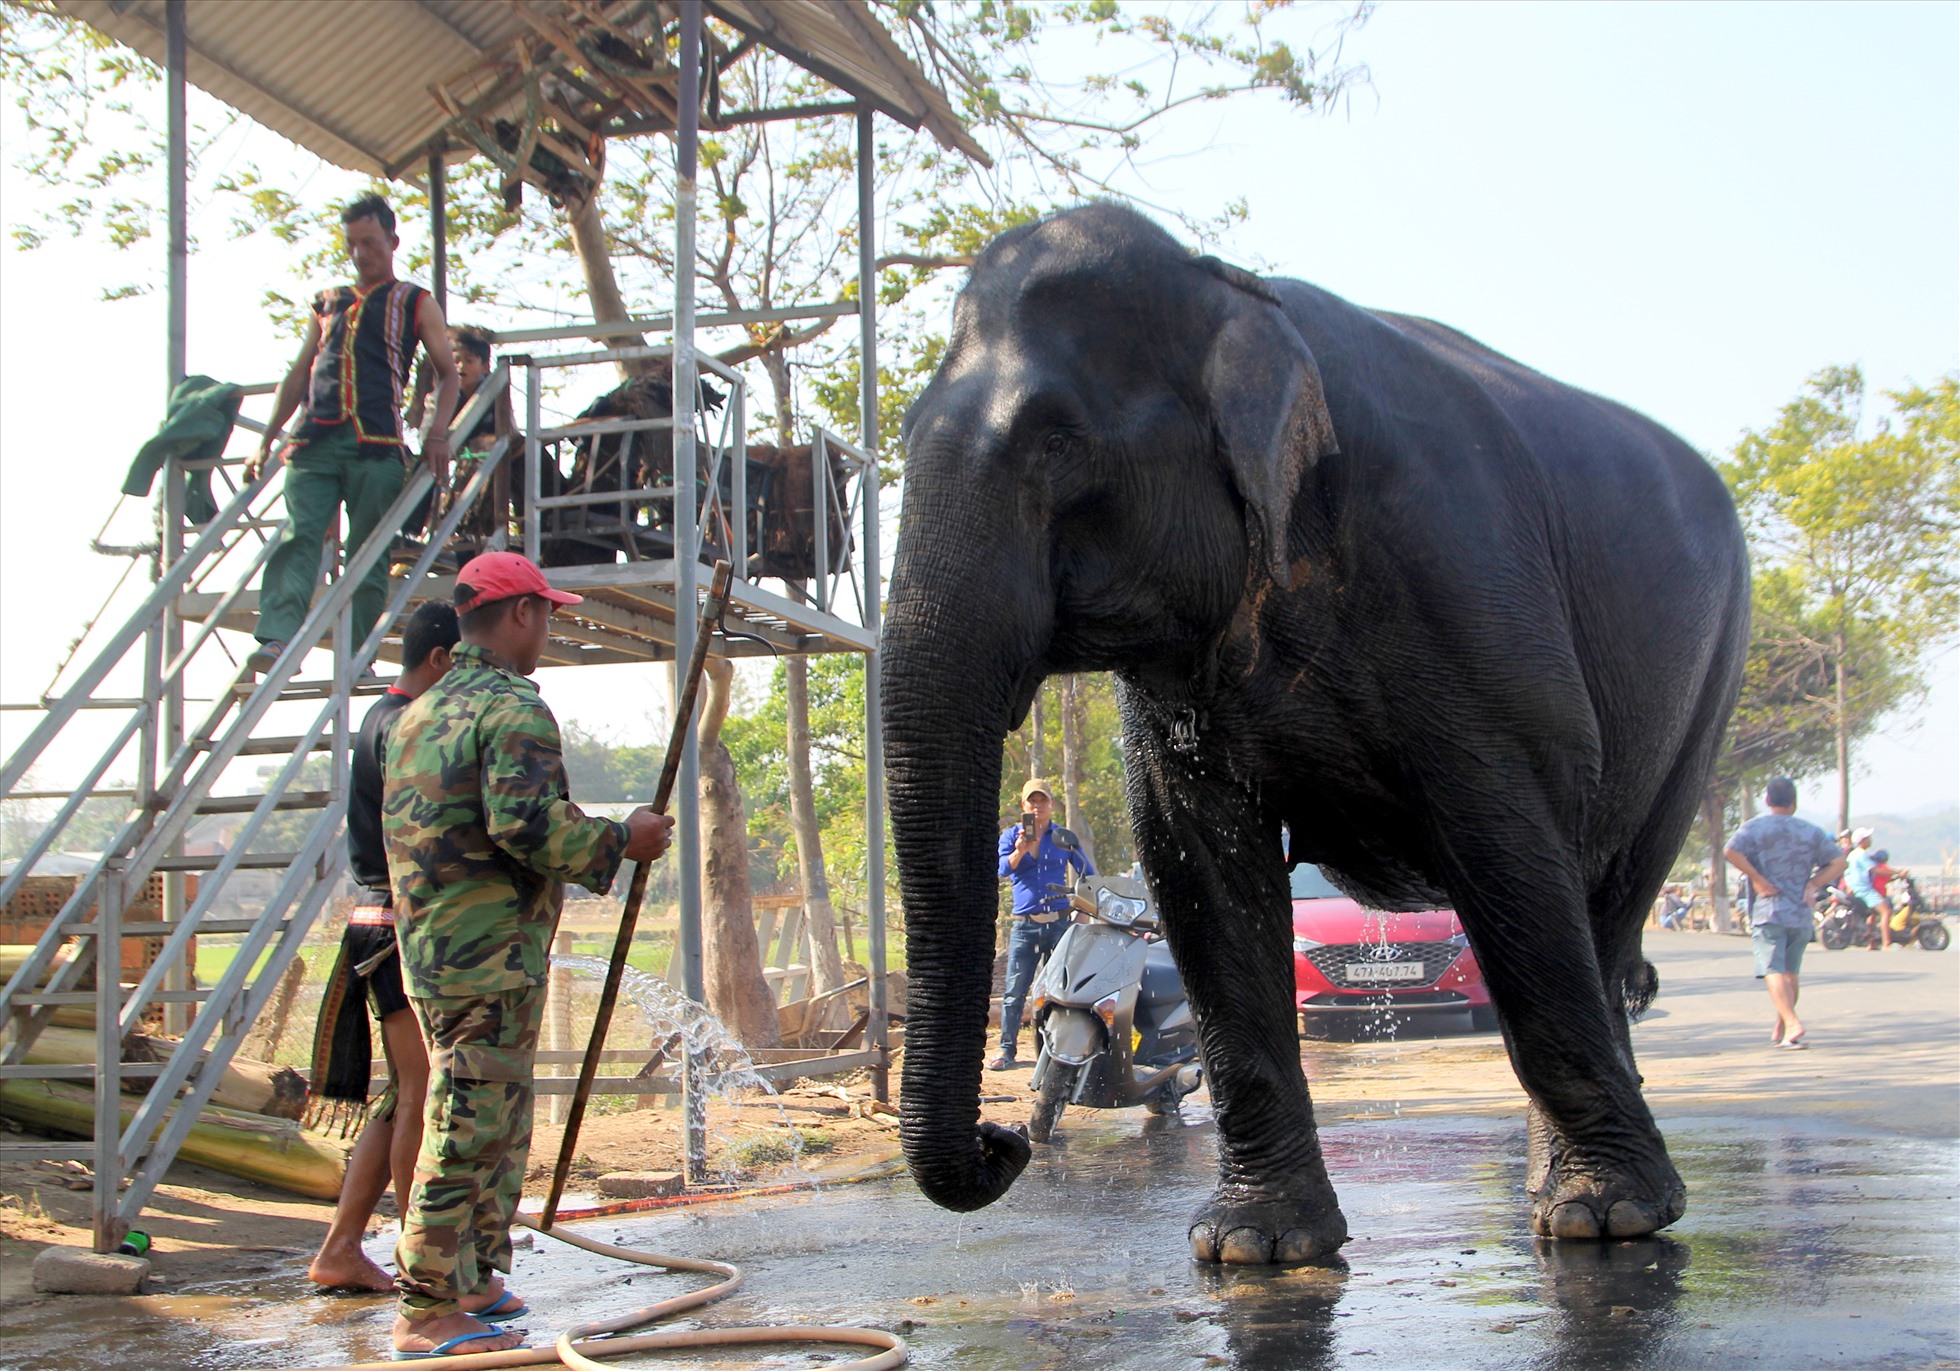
x=1386, y=971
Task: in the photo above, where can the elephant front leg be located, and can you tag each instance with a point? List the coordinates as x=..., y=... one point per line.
x=1221, y=887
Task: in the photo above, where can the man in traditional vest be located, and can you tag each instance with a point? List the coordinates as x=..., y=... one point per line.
x=347, y=448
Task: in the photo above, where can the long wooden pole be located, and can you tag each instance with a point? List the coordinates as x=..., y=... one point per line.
x=711, y=612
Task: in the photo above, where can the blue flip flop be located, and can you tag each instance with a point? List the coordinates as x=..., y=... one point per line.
x=442, y=1350
x=496, y=1313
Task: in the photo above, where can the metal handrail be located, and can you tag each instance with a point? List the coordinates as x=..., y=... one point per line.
x=662, y=323
x=825, y=494
x=161, y=595
x=143, y=840
x=327, y=609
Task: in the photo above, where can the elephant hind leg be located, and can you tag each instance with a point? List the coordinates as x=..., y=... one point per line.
x=1598, y=1166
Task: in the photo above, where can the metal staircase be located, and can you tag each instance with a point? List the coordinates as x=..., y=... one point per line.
x=183, y=764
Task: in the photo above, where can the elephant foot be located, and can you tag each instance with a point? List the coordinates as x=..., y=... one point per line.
x=1576, y=1196
x=1244, y=1229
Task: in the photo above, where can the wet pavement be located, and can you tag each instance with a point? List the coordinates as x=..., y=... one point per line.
x=1805, y=1244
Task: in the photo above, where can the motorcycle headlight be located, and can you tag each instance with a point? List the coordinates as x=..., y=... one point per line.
x=1118, y=909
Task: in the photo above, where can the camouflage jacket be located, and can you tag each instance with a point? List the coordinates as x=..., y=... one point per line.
x=481, y=832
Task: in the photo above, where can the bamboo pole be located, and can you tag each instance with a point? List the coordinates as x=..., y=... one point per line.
x=250, y=1146
x=252, y=1087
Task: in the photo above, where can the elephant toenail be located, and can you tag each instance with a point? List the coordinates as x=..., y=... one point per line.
x=1630, y=1219
x=1204, y=1242
x=1296, y=1245
x=1574, y=1220
x=1246, y=1247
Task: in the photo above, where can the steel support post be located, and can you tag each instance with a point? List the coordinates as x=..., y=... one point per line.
x=439, y=228
x=178, y=157
x=874, y=726
x=168, y=717
x=686, y=560
x=533, y=458
x=108, y=1057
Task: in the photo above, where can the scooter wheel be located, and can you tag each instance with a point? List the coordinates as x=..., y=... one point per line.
x=1934, y=936
x=1056, y=1087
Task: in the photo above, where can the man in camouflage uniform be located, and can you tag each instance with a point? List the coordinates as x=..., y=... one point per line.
x=481, y=836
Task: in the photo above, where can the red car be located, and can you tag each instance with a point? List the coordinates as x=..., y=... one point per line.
x=1353, y=965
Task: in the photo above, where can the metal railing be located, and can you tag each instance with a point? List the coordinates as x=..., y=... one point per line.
x=178, y=782
x=720, y=446
x=830, y=492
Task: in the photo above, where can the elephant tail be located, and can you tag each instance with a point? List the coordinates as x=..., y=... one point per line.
x=1639, y=988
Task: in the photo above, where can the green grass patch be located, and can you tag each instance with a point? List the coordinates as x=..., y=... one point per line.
x=214, y=959
x=779, y=1148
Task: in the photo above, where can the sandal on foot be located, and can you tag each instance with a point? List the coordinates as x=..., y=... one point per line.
x=497, y=1312
x=1793, y=1044
x=443, y=1349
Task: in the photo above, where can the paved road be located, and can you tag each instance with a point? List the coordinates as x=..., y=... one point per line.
x=1822, y=1229
x=1882, y=1026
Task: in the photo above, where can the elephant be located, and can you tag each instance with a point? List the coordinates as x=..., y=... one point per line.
x=1469, y=635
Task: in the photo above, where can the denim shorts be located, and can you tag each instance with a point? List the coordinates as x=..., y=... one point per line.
x=1779, y=948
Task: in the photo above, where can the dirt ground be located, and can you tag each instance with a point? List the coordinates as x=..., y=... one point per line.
x=1882, y=1028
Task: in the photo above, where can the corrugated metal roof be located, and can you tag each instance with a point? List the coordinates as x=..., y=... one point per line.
x=350, y=80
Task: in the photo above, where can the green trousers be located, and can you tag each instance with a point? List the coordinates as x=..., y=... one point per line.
x=476, y=1139
x=321, y=476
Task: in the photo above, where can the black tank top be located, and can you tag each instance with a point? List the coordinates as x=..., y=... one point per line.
x=367, y=343
x=367, y=855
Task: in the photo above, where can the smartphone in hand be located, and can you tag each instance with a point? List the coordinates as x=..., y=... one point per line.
x=1028, y=821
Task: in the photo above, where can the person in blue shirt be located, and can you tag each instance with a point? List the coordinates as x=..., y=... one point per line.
x=1787, y=860
x=1034, y=856
x=1859, y=865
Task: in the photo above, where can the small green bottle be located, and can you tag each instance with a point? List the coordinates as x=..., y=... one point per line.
x=135, y=1244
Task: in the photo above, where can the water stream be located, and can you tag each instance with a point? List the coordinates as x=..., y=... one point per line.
x=724, y=1068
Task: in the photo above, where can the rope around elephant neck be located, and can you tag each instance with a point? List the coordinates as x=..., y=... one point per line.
x=578, y=1347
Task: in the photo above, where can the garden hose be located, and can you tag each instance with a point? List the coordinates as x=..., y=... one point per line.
x=580, y=1346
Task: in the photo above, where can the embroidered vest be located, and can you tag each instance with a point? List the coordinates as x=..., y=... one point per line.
x=367, y=341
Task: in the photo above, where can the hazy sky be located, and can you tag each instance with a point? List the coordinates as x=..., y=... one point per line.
x=1686, y=208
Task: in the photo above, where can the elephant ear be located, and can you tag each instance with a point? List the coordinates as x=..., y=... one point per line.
x=1267, y=407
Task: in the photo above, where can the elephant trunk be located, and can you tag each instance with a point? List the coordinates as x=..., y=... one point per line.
x=950, y=678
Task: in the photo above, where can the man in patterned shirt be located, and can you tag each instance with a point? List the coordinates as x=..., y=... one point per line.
x=1787, y=860
x=481, y=836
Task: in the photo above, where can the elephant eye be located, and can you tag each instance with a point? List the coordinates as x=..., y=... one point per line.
x=1057, y=444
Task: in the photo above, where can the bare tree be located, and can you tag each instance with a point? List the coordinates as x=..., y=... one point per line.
x=1072, y=763
x=737, y=992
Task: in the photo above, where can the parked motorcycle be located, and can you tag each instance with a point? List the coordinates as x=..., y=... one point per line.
x=1845, y=922
x=1113, y=1025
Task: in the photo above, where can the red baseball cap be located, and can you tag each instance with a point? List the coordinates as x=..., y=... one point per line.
x=494, y=576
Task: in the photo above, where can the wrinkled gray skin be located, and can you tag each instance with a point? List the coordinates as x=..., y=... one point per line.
x=1471, y=633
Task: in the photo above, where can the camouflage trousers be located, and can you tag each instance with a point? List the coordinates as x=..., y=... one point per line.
x=476, y=1139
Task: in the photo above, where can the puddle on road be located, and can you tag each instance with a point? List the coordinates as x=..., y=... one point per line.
x=1802, y=1247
